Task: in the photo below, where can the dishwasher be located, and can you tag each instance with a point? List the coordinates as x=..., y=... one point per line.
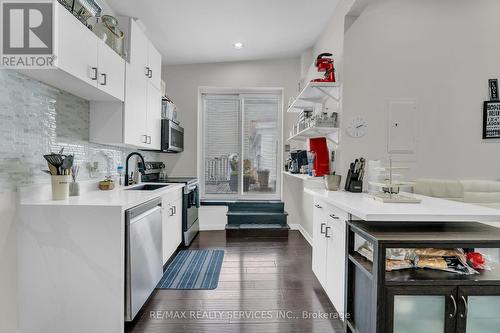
x=143, y=254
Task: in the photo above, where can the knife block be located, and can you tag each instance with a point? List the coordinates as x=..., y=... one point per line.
x=352, y=184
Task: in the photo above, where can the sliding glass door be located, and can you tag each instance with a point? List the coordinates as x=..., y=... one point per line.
x=241, y=146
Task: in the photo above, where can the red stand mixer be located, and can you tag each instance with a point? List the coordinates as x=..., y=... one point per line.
x=324, y=63
x=319, y=148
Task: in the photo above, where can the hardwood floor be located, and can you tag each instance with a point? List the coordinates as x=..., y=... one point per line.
x=265, y=285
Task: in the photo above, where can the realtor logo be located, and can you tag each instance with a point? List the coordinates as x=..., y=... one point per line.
x=27, y=34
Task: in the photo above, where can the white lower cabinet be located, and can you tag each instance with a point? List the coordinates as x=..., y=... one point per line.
x=328, y=260
x=171, y=223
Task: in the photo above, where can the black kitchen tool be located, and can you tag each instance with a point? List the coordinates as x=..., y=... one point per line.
x=354, y=180
x=56, y=160
x=67, y=163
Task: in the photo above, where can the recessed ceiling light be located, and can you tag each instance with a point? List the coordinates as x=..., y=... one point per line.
x=238, y=45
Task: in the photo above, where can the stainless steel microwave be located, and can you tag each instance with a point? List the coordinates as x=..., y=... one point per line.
x=172, y=137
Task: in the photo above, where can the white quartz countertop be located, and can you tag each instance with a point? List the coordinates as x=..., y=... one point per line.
x=430, y=209
x=118, y=197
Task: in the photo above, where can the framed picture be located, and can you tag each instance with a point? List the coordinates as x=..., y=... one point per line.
x=491, y=120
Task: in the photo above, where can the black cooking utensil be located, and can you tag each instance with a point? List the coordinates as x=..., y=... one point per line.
x=67, y=162
x=55, y=160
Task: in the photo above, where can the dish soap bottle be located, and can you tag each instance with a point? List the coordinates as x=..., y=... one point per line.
x=137, y=177
x=121, y=180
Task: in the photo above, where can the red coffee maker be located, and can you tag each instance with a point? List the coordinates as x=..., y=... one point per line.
x=321, y=164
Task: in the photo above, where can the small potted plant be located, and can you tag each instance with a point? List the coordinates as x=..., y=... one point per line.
x=247, y=175
x=233, y=180
x=263, y=176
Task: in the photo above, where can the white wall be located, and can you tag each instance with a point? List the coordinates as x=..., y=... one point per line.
x=298, y=203
x=182, y=86
x=8, y=263
x=212, y=217
x=440, y=53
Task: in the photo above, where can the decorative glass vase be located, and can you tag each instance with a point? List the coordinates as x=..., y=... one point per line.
x=107, y=30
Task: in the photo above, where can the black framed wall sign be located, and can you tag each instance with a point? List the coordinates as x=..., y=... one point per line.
x=493, y=83
x=491, y=120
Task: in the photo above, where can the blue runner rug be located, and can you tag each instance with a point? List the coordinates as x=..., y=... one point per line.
x=193, y=269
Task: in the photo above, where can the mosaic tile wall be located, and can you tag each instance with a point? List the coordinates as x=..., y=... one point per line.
x=36, y=119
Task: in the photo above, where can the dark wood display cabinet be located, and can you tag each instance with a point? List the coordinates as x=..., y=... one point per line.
x=418, y=300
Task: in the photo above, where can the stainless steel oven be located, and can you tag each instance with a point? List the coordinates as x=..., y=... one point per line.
x=172, y=137
x=190, y=199
x=191, y=203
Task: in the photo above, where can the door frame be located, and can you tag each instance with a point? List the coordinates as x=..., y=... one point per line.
x=200, y=136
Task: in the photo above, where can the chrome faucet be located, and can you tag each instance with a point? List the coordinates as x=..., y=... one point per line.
x=126, y=165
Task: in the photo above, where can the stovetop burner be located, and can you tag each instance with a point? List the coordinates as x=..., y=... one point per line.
x=185, y=180
x=151, y=173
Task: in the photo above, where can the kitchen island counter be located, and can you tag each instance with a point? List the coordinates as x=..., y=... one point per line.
x=363, y=207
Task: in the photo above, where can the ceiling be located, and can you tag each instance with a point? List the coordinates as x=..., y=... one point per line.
x=202, y=31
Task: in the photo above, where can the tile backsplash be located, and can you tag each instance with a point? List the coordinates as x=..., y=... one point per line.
x=36, y=119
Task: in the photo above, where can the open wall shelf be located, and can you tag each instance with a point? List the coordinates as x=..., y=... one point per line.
x=316, y=132
x=315, y=92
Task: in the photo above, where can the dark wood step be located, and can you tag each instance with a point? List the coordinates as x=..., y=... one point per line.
x=237, y=218
x=257, y=230
x=256, y=206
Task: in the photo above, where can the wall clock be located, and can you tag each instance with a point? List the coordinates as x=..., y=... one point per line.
x=357, y=127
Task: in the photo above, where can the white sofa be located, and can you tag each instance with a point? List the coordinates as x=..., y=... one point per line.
x=480, y=192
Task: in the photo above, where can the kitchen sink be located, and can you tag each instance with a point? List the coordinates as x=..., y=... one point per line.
x=146, y=187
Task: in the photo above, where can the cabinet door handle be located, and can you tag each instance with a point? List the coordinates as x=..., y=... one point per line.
x=452, y=315
x=148, y=139
x=93, y=76
x=175, y=210
x=171, y=211
x=317, y=206
x=150, y=74
x=323, y=230
x=326, y=232
x=105, y=79
x=146, y=71
x=466, y=307
x=334, y=217
x=145, y=139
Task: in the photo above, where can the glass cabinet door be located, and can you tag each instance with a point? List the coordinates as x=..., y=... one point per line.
x=415, y=314
x=479, y=309
x=424, y=309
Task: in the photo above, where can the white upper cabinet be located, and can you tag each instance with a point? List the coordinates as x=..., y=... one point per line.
x=111, y=71
x=75, y=41
x=143, y=99
x=135, y=108
x=154, y=65
x=154, y=117
x=84, y=66
x=137, y=121
x=136, y=83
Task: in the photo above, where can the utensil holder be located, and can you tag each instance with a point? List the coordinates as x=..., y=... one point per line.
x=74, y=189
x=352, y=184
x=60, y=187
x=356, y=186
x=332, y=182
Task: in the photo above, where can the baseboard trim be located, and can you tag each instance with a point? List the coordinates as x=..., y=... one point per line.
x=304, y=233
x=212, y=227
